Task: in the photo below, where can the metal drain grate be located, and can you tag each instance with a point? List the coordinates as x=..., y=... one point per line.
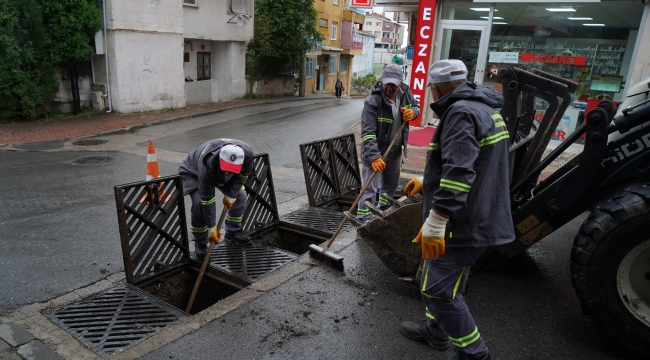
x=89, y=142
x=346, y=163
x=114, y=319
x=314, y=219
x=93, y=160
x=250, y=262
x=261, y=208
x=320, y=178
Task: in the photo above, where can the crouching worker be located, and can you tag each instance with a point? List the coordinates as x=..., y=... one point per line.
x=223, y=164
x=466, y=205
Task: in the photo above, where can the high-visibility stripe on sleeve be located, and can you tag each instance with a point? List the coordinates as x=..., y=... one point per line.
x=208, y=202
x=500, y=124
x=234, y=218
x=455, y=185
x=496, y=117
x=368, y=137
x=492, y=139
x=198, y=229
x=386, y=120
x=466, y=340
x=244, y=177
x=203, y=151
x=434, y=146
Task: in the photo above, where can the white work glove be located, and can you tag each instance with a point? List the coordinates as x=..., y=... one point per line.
x=228, y=201
x=213, y=235
x=414, y=186
x=432, y=236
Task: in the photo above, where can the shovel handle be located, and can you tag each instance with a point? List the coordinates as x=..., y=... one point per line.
x=365, y=186
x=206, y=260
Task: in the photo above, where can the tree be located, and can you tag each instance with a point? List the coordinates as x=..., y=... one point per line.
x=71, y=24
x=26, y=75
x=284, y=31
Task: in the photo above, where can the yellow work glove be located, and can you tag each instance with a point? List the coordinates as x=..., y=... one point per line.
x=214, y=236
x=432, y=236
x=414, y=186
x=407, y=114
x=228, y=202
x=378, y=165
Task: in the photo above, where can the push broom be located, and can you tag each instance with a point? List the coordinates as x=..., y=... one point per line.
x=323, y=253
x=206, y=260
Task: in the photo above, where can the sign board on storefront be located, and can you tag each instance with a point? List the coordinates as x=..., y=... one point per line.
x=504, y=57
x=361, y=3
x=554, y=59
x=422, y=51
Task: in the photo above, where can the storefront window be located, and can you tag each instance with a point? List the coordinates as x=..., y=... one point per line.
x=466, y=10
x=588, y=43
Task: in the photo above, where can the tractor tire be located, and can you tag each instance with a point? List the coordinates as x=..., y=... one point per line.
x=610, y=268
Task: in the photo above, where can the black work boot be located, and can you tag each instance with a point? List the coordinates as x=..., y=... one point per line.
x=238, y=237
x=460, y=356
x=200, y=250
x=418, y=331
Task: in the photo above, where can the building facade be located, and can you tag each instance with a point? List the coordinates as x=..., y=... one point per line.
x=153, y=46
x=362, y=64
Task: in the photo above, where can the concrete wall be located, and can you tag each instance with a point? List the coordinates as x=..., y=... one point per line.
x=146, y=71
x=198, y=92
x=229, y=70
x=270, y=86
x=63, y=98
x=145, y=44
x=209, y=21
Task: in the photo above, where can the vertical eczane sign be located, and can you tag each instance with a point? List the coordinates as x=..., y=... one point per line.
x=422, y=51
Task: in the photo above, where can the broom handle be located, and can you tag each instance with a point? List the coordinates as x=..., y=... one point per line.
x=365, y=187
x=205, y=264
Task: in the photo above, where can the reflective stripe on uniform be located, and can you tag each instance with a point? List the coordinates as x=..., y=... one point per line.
x=368, y=137
x=428, y=314
x=198, y=229
x=434, y=146
x=386, y=120
x=234, y=218
x=244, y=177
x=361, y=211
x=203, y=151
x=455, y=185
x=466, y=340
x=208, y=202
x=489, y=140
x=383, y=201
x=453, y=295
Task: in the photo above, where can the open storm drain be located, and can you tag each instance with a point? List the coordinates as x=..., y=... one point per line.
x=89, y=142
x=315, y=219
x=250, y=262
x=93, y=160
x=114, y=319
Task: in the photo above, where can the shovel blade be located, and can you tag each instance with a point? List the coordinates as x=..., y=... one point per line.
x=391, y=239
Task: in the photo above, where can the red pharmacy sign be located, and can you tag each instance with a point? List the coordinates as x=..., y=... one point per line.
x=554, y=59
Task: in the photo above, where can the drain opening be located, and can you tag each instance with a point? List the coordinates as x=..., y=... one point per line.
x=93, y=160
x=89, y=142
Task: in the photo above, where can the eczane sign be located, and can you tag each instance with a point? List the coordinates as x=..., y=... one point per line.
x=422, y=50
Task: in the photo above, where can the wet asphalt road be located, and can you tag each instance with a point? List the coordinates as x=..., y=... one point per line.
x=58, y=232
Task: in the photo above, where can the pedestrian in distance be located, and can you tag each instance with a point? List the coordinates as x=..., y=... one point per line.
x=466, y=205
x=224, y=164
x=339, y=88
x=390, y=102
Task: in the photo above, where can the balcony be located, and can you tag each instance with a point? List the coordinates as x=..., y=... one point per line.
x=356, y=45
x=354, y=17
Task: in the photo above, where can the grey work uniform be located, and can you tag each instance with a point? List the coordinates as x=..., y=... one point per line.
x=200, y=181
x=380, y=121
x=466, y=177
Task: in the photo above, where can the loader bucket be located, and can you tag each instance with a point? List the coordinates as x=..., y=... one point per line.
x=390, y=238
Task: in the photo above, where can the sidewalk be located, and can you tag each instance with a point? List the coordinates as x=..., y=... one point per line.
x=95, y=123
x=16, y=343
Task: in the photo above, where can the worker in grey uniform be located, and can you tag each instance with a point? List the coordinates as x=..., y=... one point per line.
x=466, y=205
x=390, y=102
x=224, y=164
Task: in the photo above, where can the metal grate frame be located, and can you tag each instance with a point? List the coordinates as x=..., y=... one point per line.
x=261, y=210
x=346, y=163
x=250, y=262
x=320, y=178
x=114, y=319
x=153, y=228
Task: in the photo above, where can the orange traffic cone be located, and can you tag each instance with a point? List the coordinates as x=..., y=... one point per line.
x=153, y=172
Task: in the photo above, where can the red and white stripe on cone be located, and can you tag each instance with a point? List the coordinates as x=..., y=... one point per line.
x=153, y=172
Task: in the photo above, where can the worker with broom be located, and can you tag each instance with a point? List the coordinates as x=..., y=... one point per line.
x=466, y=205
x=224, y=164
x=390, y=102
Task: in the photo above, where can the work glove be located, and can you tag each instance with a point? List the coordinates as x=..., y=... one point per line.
x=407, y=114
x=432, y=236
x=214, y=236
x=414, y=186
x=378, y=165
x=228, y=201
